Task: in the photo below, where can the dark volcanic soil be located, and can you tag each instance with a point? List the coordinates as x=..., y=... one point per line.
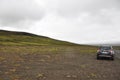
x=69, y=65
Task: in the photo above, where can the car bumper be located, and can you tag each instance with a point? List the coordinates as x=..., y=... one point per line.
x=105, y=55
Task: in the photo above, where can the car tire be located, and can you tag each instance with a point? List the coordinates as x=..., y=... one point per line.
x=98, y=57
x=112, y=58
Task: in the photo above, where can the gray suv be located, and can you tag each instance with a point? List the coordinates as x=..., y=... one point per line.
x=105, y=51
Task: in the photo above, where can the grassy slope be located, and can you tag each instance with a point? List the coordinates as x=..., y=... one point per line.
x=21, y=42
x=23, y=38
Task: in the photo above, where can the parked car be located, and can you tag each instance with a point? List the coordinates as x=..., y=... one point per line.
x=105, y=51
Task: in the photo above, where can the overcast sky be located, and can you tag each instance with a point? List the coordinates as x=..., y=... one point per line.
x=79, y=21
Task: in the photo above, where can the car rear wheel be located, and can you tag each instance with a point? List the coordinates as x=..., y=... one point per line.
x=98, y=57
x=112, y=58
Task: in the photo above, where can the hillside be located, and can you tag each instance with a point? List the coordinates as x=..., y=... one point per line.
x=51, y=62
x=23, y=38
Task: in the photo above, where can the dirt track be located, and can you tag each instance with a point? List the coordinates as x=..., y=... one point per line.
x=70, y=65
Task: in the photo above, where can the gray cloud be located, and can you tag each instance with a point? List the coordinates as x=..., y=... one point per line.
x=15, y=12
x=80, y=21
x=72, y=8
x=83, y=21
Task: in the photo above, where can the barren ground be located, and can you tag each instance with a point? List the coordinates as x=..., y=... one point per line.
x=67, y=65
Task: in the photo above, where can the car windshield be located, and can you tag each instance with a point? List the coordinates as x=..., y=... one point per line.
x=105, y=48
